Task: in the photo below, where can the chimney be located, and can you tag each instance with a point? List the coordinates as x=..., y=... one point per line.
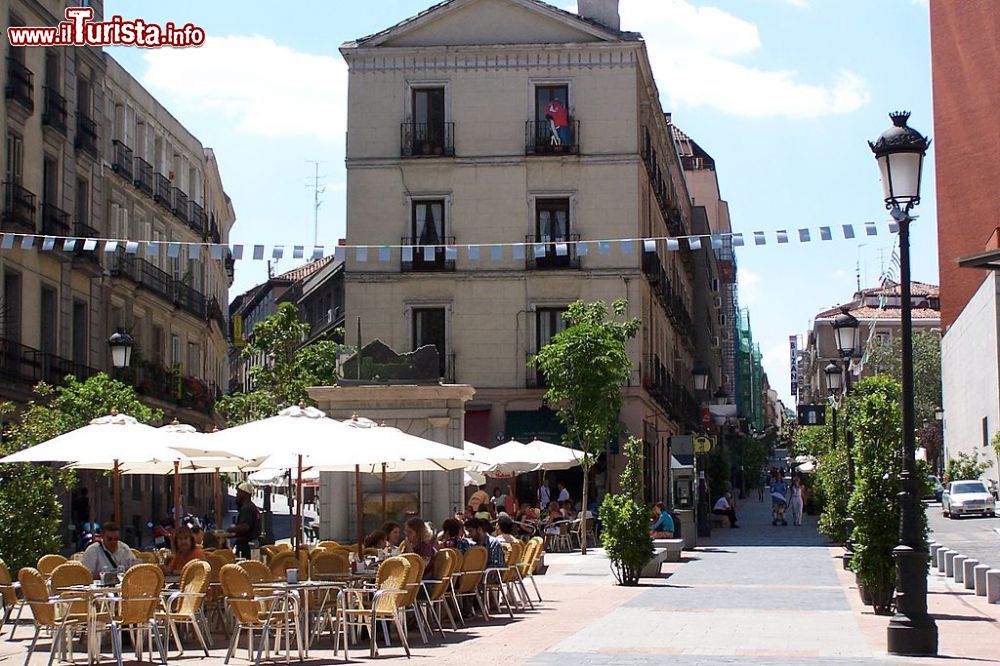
x=604, y=12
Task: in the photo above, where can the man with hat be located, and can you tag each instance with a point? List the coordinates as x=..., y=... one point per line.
x=247, y=527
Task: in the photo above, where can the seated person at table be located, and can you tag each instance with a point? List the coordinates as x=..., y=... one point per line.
x=199, y=535
x=453, y=536
x=484, y=511
x=568, y=511
x=393, y=533
x=505, y=529
x=185, y=549
x=724, y=507
x=109, y=553
x=555, y=515
x=663, y=524
x=479, y=532
x=376, y=539
x=418, y=541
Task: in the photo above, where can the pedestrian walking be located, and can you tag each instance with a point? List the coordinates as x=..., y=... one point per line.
x=797, y=500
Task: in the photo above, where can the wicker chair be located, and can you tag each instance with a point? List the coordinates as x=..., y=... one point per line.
x=329, y=564
x=50, y=613
x=384, y=606
x=409, y=602
x=214, y=605
x=529, y=562
x=145, y=557
x=277, y=612
x=257, y=571
x=47, y=563
x=435, y=592
x=8, y=593
x=465, y=582
x=185, y=606
x=495, y=579
x=68, y=574
x=328, y=544
x=136, y=609
x=225, y=555
x=281, y=563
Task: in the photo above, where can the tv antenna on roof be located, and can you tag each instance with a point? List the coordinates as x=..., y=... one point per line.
x=317, y=190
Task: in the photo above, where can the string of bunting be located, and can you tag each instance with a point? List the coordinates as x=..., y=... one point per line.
x=475, y=251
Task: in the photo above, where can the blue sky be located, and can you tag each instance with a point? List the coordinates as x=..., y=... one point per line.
x=782, y=93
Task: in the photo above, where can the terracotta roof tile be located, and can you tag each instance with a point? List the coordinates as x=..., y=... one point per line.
x=304, y=270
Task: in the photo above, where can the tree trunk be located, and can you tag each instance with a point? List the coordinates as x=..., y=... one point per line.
x=583, y=510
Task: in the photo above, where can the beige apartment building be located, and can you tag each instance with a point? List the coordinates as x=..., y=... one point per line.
x=90, y=153
x=449, y=146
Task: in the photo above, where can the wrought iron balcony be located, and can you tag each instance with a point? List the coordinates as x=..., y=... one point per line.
x=214, y=233
x=20, y=364
x=426, y=257
x=54, y=113
x=162, y=191
x=86, y=135
x=230, y=265
x=143, y=177
x=20, y=84
x=197, y=220
x=651, y=266
x=544, y=252
x=539, y=138
x=214, y=312
x=19, y=207
x=159, y=282
x=180, y=205
x=189, y=299
x=83, y=232
x=55, y=222
x=427, y=139
x=123, y=160
x=168, y=385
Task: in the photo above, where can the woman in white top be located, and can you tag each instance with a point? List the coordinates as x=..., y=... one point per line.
x=797, y=501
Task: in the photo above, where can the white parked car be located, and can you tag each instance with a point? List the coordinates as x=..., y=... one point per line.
x=964, y=497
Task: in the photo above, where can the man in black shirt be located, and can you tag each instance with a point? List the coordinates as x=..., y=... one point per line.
x=247, y=527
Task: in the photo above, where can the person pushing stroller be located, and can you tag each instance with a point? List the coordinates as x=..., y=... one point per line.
x=779, y=500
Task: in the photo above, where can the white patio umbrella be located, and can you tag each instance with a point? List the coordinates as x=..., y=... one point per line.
x=278, y=477
x=106, y=442
x=482, y=455
x=554, y=456
x=474, y=478
x=513, y=458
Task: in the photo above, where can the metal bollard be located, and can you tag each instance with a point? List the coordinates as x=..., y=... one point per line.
x=949, y=563
x=993, y=586
x=969, y=573
x=979, y=579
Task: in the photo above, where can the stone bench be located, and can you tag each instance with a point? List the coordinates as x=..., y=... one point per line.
x=717, y=520
x=672, y=546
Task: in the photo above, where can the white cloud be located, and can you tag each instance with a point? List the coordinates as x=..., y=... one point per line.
x=749, y=287
x=696, y=54
x=778, y=367
x=264, y=88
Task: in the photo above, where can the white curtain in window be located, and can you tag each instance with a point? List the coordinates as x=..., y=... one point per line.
x=544, y=226
x=437, y=215
x=420, y=214
x=560, y=229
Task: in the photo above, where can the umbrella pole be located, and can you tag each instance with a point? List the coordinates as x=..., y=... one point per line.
x=358, y=517
x=177, y=495
x=298, y=506
x=383, y=494
x=115, y=479
x=217, y=489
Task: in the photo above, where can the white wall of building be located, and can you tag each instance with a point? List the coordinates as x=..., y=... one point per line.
x=970, y=375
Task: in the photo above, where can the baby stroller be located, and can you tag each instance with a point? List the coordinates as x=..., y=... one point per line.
x=778, y=506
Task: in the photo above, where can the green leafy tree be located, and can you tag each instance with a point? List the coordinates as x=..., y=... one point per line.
x=966, y=467
x=585, y=366
x=830, y=487
x=29, y=493
x=288, y=368
x=875, y=418
x=625, y=520
x=887, y=358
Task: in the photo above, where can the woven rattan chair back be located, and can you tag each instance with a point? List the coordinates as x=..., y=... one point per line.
x=328, y=544
x=330, y=563
x=283, y=547
x=68, y=574
x=36, y=595
x=473, y=565
x=194, y=581
x=215, y=563
x=446, y=562
x=141, y=588
x=225, y=555
x=282, y=562
x=512, y=558
x=7, y=586
x=413, y=579
x=257, y=571
x=239, y=593
x=392, y=575
x=146, y=557
x=47, y=563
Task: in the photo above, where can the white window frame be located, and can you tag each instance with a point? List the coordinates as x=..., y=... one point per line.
x=417, y=84
x=551, y=81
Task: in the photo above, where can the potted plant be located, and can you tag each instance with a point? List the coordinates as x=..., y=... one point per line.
x=625, y=520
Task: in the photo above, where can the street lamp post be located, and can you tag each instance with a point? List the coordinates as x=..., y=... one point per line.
x=845, y=331
x=939, y=457
x=121, y=344
x=700, y=376
x=900, y=154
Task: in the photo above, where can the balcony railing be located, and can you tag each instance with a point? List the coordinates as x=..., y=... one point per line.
x=230, y=265
x=55, y=222
x=180, y=208
x=544, y=252
x=169, y=385
x=143, y=176
x=672, y=396
x=197, y=220
x=54, y=113
x=123, y=160
x=214, y=233
x=159, y=282
x=426, y=257
x=20, y=364
x=427, y=139
x=671, y=302
x=18, y=208
x=82, y=232
x=20, y=84
x=189, y=299
x=652, y=267
x=86, y=135
x=162, y=191
x=215, y=313
x=539, y=138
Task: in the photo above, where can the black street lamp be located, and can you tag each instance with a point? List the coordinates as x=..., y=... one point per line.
x=845, y=332
x=900, y=154
x=121, y=344
x=700, y=375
